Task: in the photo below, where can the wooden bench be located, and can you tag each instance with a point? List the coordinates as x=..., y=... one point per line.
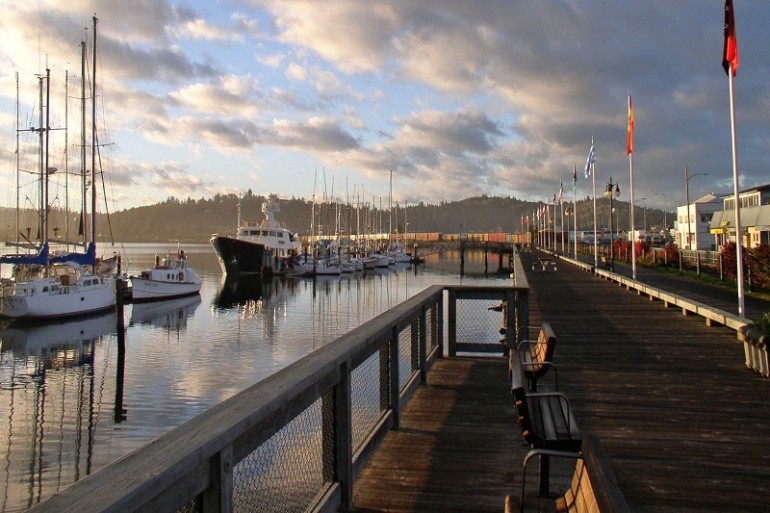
x=546, y=420
x=535, y=355
x=593, y=486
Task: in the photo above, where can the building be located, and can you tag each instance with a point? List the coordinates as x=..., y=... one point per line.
x=693, y=232
x=755, y=218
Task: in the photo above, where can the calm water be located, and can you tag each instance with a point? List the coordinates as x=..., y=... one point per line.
x=69, y=404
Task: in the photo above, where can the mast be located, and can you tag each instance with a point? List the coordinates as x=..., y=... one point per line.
x=93, y=139
x=66, y=161
x=18, y=176
x=83, y=159
x=47, y=138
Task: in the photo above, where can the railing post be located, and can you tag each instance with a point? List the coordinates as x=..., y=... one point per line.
x=422, y=344
x=395, y=381
x=438, y=325
x=343, y=437
x=522, y=310
x=452, y=306
x=218, y=497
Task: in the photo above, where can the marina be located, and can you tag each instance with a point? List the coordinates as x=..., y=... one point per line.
x=70, y=404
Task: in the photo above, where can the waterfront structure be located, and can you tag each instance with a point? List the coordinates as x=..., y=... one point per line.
x=755, y=218
x=695, y=233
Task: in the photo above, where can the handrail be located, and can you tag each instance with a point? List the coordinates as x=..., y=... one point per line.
x=349, y=391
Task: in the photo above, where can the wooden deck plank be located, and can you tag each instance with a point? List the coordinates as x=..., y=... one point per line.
x=683, y=421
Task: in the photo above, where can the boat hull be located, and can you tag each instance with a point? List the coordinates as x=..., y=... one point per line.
x=239, y=256
x=67, y=301
x=154, y=290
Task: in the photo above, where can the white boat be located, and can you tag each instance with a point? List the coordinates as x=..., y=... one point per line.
x=170, y=278
x=258, y=245
x=68, y=286
x=66, y=291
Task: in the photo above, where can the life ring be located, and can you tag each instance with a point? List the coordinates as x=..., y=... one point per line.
x=181, y=276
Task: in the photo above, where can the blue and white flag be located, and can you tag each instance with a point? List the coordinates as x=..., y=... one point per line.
x=589, y=161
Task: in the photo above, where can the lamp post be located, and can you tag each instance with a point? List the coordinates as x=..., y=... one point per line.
x=608, y=193
x=687, y=200
x=665, y=208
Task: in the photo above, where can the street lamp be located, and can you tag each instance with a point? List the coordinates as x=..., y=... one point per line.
x=687, y=199
x=665, y=208
x=608, y=193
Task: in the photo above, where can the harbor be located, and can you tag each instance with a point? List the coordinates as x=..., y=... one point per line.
x=68, y=408
x=643, y=379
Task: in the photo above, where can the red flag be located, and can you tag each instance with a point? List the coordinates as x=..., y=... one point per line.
x=730, y=58
x=630, y=135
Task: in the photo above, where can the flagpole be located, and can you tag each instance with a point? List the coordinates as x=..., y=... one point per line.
x=574, y=201
x=630, y=152
x=738, y=231
x=596, y=240
x=562, y=226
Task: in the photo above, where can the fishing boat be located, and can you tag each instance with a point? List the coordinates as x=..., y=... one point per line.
x=171, y=277
x=258, y=246
x=67, y=284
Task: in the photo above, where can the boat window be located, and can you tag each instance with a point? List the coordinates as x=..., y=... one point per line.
x=280, y=235
x=45, y=289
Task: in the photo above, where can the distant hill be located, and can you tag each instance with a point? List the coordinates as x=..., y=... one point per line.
x=194, y=221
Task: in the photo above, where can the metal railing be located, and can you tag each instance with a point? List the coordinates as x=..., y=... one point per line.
x=296, y=440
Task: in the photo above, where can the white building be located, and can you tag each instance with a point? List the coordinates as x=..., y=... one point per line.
x=755, y=218
x=692, y=231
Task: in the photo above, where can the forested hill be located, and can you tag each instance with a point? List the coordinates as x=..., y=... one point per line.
x=196, y=220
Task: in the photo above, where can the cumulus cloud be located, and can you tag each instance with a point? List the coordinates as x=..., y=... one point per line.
x=457, y=97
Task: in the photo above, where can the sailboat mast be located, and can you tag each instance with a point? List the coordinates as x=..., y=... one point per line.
x=93, y=138
x=66, y=161
x=18, y=175
x=83, y=158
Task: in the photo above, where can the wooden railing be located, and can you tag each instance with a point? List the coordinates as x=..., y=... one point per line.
x=296, y=440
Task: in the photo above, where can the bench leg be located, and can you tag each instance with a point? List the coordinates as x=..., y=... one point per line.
x=545, y=472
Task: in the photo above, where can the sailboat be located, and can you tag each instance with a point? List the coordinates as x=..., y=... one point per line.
x=68, y=286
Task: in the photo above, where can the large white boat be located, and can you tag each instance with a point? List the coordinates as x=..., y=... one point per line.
x=170, y=277
x=258, y=245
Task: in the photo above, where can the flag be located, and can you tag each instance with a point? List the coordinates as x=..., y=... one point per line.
x=561, y=191
x=630, y=135
x=589, y=161
x=730, y=58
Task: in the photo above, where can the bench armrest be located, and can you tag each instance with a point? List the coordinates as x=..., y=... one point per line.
x=548, y=364
x=539, y=453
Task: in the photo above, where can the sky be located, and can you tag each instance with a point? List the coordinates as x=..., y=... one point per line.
x=328, y=98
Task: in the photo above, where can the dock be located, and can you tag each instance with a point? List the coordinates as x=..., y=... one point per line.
x=683, y=421
x=412, y=411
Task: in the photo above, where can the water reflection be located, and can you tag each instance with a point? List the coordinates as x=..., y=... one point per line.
x=171, y=314
x=50, y=404
x=75, y=396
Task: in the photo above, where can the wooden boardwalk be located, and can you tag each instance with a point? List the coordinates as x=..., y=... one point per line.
x=685, y=424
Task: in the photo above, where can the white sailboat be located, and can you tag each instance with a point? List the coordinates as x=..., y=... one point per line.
x=68, y=287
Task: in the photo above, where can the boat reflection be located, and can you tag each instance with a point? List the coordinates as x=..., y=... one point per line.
x=40, y=366
x=171, y=313
x=57, y=345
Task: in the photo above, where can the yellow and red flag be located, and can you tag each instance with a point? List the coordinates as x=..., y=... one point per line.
x=630, y=135
x=730, y=58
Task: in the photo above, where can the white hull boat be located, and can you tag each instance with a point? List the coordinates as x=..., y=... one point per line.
x=170, y=278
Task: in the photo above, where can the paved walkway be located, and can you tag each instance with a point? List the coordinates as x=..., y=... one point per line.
x=724, y=298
